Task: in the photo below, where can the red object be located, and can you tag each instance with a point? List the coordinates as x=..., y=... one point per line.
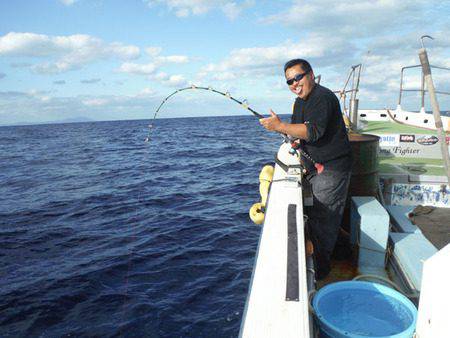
x=319, y=168
x=295, y=144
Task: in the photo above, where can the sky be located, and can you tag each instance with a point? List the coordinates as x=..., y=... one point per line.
x=65, y=60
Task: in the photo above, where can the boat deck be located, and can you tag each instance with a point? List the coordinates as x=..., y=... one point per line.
x=411, y=166
x=434, y=224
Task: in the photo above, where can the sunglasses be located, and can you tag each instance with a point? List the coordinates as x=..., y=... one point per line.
x=296, y=78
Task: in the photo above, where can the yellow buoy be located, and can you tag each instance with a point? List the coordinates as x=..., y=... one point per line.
x=257, y=210
x=256, y=213
x=266, y=173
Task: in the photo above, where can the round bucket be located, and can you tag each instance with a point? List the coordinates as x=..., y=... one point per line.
x=364, y=309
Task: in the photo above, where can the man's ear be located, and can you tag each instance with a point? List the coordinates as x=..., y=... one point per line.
x=312, y=75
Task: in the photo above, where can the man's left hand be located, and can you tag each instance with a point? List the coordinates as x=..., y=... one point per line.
x=272, y=123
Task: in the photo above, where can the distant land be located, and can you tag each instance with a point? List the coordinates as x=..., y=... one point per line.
x=68, y=120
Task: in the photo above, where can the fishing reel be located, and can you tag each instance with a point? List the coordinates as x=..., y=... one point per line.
x=295, y=145
x=297, y=150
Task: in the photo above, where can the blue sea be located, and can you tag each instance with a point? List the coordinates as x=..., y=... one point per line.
x=104, y=235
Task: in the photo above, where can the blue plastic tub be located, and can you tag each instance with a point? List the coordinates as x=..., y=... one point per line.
x=364, y=309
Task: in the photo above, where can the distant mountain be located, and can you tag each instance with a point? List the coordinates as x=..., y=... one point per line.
x=68, y=120
x=74, y=120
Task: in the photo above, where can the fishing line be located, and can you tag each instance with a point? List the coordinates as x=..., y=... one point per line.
x=244, y=104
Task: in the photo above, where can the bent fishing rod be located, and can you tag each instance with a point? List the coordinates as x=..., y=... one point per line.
x=244, y=104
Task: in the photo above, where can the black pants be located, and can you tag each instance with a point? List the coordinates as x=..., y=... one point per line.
x=329, y=191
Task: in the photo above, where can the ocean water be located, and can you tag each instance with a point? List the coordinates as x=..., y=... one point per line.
x=102, y=234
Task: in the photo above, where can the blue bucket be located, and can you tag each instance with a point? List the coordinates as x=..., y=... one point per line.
x=362, y=309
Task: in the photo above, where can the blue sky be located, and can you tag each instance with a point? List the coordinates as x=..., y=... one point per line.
x=108, y=60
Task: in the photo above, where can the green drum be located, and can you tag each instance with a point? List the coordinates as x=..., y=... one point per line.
x=364, y=181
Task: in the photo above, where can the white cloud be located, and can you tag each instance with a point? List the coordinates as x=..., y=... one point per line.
x=95, y=102
x=170, y=80
x=71, y=52
x=186, y=8
x=224, y=76
x=353, y=19
x=156, y=60
x=231, y=10
x=176, y=81
x=27, y=44
x=20, y=107
x=153, y=51
x=138, y=69
x=172, y=59
x=161, y=76
x=146, y=92
x=41, y=95
x=264, y=61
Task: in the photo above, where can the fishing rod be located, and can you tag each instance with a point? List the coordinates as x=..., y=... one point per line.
x=295, y=145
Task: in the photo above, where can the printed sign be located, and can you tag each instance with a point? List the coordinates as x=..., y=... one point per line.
x=407, y=138
x=389, y=139
x=399, y=151
x=427, y=140
x=409, y=146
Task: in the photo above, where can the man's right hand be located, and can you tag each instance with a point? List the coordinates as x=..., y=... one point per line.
x=272, y=123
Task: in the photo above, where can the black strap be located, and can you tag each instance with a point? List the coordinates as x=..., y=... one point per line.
x=286, y=167
x=292, y=280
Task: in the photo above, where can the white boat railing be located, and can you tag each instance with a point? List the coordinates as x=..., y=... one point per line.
x=353, y=77
x=422, y=89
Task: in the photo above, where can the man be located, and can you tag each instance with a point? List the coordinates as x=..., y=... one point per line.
x=317, y=121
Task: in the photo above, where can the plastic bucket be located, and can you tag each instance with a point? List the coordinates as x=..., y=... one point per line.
x=363, y=309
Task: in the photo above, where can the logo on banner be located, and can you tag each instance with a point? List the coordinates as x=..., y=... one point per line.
x=389, y=140
x=407, y=138
x=427, y=140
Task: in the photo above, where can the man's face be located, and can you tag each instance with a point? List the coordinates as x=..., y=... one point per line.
x=303, y=87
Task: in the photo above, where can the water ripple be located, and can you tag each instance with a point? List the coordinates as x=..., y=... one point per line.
x=104, y=235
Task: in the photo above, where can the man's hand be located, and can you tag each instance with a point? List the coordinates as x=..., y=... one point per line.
x=272, y=123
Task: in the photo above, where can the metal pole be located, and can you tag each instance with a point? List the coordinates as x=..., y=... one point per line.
x=422, y=89
x=401, y=88
x=435, y=106
x=354, y=112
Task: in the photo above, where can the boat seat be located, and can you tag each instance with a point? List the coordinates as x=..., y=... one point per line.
x=400, y=220
x=410, y=250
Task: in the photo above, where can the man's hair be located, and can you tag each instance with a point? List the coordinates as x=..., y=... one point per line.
x=303, y=63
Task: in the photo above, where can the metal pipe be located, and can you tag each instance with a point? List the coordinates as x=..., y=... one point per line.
x=354, y=112
x=422, y=92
